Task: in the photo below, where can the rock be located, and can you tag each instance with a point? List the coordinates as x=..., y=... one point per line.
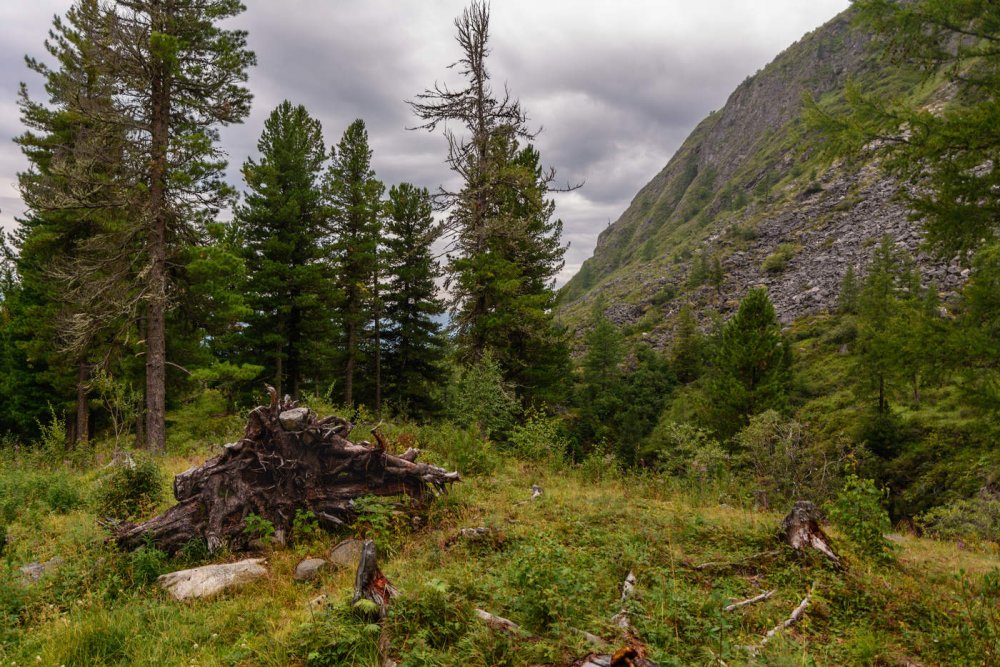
x=309, y=569
x=32, y=572
x=318, y=602
x=295, y=419
x=347, y=553
x=204, y=581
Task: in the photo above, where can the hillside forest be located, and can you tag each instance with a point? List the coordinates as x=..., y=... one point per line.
x=148, y=306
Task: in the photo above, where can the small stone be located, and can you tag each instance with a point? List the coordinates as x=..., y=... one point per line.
x=309, y=569
x=295, y=419
x=32, y=572
x=204, y=581
x=347, y=553
x=318, y=601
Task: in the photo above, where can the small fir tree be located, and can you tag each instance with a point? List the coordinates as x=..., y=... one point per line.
x=752, y=365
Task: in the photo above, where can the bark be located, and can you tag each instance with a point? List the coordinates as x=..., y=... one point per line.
x=288, y=460
x=82, y=431
x=369, y=582
x=156, y=333
x=801, y=531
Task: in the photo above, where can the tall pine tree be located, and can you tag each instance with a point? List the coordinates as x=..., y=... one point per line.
x=506, y=247
x=751, y=370
x=356, y=220
x=413, y=338
x=283, y=226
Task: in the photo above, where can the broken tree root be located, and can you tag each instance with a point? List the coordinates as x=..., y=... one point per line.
x=288, y=460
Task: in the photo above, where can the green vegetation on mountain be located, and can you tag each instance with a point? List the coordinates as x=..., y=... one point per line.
x=800, y=311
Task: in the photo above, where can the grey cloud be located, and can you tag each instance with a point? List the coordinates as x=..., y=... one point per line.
x=616, y=86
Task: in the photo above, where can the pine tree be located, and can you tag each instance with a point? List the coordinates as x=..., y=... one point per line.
x=283, y=225
x=954, y=153
x=599, y=395
x=414, y=345
x=73, y=244
x=507, y=248
x=688, y=349
x=356, y=220
x=752, y=365
x=176, y=76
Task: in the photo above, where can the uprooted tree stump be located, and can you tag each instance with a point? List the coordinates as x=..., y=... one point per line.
x=288, y=460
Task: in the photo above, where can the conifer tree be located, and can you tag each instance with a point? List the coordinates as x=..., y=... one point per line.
x=356, y=221
x=954, y=152
x=283, y=226
x=73, y=243
x=752, y=365
x=176, y=77
x=599, y=395
x=414, y=345
x=506, y=246
x=688, y=349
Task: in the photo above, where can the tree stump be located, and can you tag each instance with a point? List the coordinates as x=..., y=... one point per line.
x=369, y=582
x=288, y=460
x=801, y=531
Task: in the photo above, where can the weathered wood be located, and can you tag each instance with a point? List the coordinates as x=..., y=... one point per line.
x=795, y=616
x=743, y=603
x=273, y=471
x=369, y=582
x=498, y=622
x=628, y=588
x=801, y=531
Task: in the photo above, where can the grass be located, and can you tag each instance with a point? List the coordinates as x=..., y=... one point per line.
x=555, y=565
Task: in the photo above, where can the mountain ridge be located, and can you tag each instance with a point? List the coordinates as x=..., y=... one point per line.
x=749, y=182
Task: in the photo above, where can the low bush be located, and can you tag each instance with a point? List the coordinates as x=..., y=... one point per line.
x=778, y=260
x=974, y=519
x=859, y=513
x=132, y=489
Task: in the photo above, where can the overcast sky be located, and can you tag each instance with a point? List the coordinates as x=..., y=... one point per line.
x=616, y=84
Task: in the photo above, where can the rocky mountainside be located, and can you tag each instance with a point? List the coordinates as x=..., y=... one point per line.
x=748, y=192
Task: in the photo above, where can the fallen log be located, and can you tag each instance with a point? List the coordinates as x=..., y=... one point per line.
x=788, y=622
x=288, y=460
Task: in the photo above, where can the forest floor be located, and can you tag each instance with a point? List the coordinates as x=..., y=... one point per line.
x=553, y=564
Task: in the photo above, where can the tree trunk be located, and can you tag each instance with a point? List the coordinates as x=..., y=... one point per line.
x=279, y=368
x=288, y=460
x=378, y=353
x=156, y=312
x=82, y=404
x=352, y=342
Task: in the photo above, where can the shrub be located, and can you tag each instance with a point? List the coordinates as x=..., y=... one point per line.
x=304, y=525
x=481, y=398
x=778, y=260
x=968, y=519
x=146, y=564
x=548, y=583
x=682, y=450
x=434, y=617
x=132, y=489
x=786, y=463
x=257, y=527
x=539, y=438
x=377, y=519
x=461, y=448
x=858, y=512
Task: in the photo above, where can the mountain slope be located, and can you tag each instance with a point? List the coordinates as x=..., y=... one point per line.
x=748, y=184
